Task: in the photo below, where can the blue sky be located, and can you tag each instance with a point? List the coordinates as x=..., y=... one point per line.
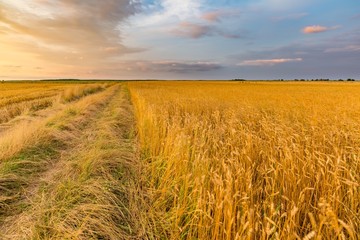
x=179, y=39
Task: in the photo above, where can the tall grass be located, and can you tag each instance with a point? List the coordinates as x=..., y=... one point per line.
x=25, y=134
x=251, y=160
x=79, y=91
x=11, y=111
x=74, y=176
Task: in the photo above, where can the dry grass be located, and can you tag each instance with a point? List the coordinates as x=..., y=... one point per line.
x=11, y=111
x=79, y=91
x=27, y=150
x=251, y=160
x=89, y=193
x=73, y=173
x=25, y=134
x=18, y=99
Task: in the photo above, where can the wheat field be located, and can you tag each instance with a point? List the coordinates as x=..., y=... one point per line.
x=179, y=160
x=251, y=160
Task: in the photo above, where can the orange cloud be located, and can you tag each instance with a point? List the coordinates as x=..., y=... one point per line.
x=77, y=30
x=268, y=62
x=215, y=16
x=192, y=30
x=317, y=29
x=54, y=38
x=211, y=16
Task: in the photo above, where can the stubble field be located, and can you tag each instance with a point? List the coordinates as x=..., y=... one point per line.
x=180, y=160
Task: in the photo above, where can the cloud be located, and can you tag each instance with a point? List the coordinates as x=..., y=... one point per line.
x=349, y=48
x=212, y=16
x=195, y=31
x=165, y=12
x=334, y=57
x=268, y=62
x=191, y=18
x=11, y=66
x=152, y=69
x=216, y=16
x=133, y=69
x=186, y=67
x=70, y=31
x=317, y=29
x=182, y=9
x=170, y=66
x=192, y=30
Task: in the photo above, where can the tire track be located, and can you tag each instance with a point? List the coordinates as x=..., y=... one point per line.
x=92, y=192
x=20, y=172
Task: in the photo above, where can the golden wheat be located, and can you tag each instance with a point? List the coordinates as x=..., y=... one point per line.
x=251, y=160
x=220, y=160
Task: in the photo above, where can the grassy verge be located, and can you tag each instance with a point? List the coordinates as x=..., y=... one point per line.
x=28, y=152
x=92, y=192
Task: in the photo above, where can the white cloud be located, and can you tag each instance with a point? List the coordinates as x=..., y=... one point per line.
x=268, y=62
x=168, y=11
x=350, y=48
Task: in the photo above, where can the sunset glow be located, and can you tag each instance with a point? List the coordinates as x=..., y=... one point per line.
x=179, y=39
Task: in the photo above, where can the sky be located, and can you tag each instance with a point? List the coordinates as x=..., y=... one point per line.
x=179, y=39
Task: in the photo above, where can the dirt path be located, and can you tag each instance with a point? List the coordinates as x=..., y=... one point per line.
x=89, y=188
x=19, y=172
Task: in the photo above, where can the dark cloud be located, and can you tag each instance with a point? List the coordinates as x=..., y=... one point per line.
x=161, y=66
x=185, y=67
